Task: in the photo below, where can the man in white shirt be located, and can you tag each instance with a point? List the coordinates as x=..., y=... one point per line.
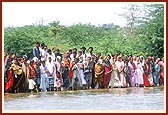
x=52, y=72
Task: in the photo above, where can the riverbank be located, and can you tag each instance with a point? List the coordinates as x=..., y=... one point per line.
x=90, y=91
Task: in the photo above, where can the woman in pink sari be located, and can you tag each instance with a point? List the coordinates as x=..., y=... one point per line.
x=132, y=67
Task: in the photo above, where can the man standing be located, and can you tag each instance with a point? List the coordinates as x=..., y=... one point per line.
x=52, y=73
x=84, y=56
x=88, y=68
x=36, y=51
x=90, y=54
x=92, y=58
x=58, y=53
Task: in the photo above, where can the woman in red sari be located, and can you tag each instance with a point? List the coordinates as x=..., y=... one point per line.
x=72, y=63
x=10, y=80
x=146, y=73
x=8, y=73
x=107, y=74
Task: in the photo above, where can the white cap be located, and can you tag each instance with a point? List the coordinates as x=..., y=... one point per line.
x=42, y=59
x=59, y=57
x=28, y=61
x=35, y=59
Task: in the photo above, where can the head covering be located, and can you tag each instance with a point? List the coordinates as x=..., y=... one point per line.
x=58, y=57
x=25, y=57
x=35, y=59
x=100, y=61
x=28, y=62
x=42, y=59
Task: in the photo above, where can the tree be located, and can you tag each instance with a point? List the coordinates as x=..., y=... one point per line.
x=153, y=29
x=133, y=14
x=146, y=35
x=147, y=28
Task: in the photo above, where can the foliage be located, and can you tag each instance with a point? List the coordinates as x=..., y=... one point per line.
x=146, y=38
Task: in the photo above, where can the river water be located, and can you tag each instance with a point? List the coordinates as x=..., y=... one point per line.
x=134, y=98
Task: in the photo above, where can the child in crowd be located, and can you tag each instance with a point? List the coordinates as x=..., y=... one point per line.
x=32, y=84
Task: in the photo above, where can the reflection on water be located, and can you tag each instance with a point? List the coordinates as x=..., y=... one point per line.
x=149, y=98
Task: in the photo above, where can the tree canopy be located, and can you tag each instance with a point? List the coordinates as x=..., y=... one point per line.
x=142, y=36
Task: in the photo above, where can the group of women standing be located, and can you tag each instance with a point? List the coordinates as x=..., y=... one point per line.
x=135, y=71
x=80, y=70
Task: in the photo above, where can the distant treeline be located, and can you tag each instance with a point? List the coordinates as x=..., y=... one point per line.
x=143, y=36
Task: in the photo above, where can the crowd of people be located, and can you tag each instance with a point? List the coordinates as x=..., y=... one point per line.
x=49, y=70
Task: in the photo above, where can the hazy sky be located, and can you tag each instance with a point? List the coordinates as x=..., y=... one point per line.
x=20, y=14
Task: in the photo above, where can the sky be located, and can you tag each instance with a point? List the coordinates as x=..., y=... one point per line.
x=20, y=14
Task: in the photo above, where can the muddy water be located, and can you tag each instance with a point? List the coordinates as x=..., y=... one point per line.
x=149, y=98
